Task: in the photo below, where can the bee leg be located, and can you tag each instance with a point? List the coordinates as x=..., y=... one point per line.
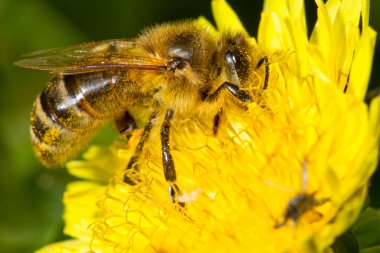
x=125, y=124
x=167, y=160
x=266, y=80
x=217, y=122
x=140, y=146
x=242, y=95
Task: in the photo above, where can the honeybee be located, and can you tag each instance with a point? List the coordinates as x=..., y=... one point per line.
x=173, y=70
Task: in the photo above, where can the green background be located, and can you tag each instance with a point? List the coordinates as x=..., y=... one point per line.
x=30, y=196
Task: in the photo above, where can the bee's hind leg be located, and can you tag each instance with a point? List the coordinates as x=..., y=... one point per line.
x=132, y=165
x=167, y=160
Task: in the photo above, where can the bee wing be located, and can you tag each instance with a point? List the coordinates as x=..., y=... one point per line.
x=94, y=56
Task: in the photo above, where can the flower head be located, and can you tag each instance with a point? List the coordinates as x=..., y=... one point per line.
x=288, y=175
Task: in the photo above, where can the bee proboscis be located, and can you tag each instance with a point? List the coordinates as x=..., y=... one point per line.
x=174, y=70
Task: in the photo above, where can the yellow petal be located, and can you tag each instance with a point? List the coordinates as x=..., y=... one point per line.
x=365, y=14
x=283, y=27
x=351, y=10
x=271, y=33
x=294, y=9
x=318, y=62
x=80, y=208
x=97, y=164
x=225, y=17
x=362, y=64
x=69, y=246
x=204, y=21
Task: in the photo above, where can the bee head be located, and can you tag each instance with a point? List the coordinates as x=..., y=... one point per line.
x=187, y=47
x=236, y=58
x=190, y=49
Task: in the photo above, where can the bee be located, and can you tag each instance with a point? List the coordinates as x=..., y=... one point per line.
x=173, y=71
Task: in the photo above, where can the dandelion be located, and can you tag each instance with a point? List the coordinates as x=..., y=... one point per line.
x=288, y=175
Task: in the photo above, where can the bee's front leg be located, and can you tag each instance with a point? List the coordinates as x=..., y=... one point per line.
x=235, y=91
x=132, y=165
x=242, y=95
x=167, y=160
x=259, y=64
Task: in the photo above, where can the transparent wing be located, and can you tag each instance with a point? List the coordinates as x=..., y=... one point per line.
x=94, y=56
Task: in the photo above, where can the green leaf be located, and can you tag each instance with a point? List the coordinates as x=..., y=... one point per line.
x=375, y=249
x=367, y=231
x=346, y=243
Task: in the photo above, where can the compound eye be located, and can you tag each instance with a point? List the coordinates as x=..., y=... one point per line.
x=237, y=61
x=231, y=58
x=177, y=64
x=232, y=67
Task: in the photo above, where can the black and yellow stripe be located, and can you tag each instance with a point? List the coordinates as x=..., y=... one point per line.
x=71, y=109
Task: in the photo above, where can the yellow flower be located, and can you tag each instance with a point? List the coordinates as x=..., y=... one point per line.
x=289, y=176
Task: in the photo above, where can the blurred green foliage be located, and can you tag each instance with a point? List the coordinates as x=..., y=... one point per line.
x=30, y=196
x=369, y=220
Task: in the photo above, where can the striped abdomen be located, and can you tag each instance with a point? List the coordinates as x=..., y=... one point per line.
x=71, y=109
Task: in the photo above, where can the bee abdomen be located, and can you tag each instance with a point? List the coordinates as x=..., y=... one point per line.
x=69, y=111
x=52, y=142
